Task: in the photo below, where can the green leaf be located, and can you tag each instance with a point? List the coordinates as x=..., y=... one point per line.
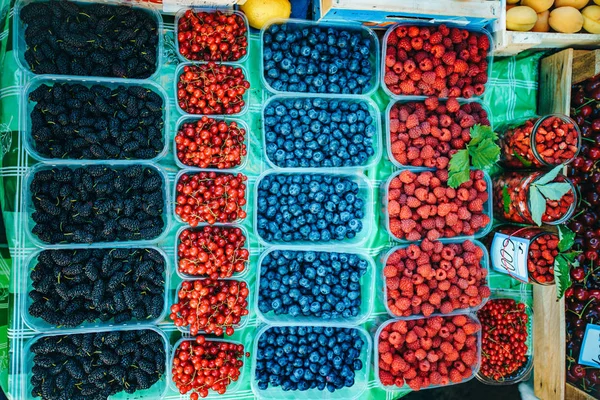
x=571, y=256
x=566, y=238
x=458, y=170
x=550, y=176
x=506, y=200
x=481, y=132
x=561, y=276
x=525, y=162
x=538, y=204
x=484, y=154
x=554, y=191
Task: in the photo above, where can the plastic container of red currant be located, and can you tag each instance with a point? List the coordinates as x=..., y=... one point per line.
x=20, y=45
x=373, y=112
x=485, y=264
x=361, y=378
x=27, y=107
x=405, y=387
x=365, y=192
x=367, y=285
x=225, y=11
x=29, y=208
x=235, y=275
x=156, y=391
x=387, y=134
x=38, y=324
x=347, y=25
x=245, y=96
x=190, y=118
x=384, y=189
x=431, y=24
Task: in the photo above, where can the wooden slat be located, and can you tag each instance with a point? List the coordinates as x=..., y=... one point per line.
x=555, y=83
x=572, y=393
x=585, y=65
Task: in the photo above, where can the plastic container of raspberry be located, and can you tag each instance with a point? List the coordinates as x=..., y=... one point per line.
x=245, y=96
x=367, y=286
x=405, y=387
x=27, y=107
x=388, y=134
x=38, y=324
x=20, y=46
x=232, y=388
x=361, y=378
x=485, y=264
x=156, y=391
x=235, y=275
x=29, y=207
x=431, y=24
x=194, y=118
x=365, y=192
x=195, y=172
x=243, y=321
x=226, y=11
x=520, y=296
x=384, y=190
x=346, y=25
x=373, y=112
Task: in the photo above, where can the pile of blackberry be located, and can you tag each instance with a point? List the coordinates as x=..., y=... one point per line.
x=97, y=204
x=67, y=38
x=71, y=287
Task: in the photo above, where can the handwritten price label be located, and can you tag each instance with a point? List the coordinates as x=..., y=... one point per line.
x=509, y=255
x=590, y=348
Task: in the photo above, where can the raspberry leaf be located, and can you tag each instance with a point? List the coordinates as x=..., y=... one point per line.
x=523, y=160
x=537, y=203
x=566, y=238
x=481, y=132
x=561, y=276
x=549, y=177
x=485, y=154
x=458, y=171
x=554, y=191
x=506, y=200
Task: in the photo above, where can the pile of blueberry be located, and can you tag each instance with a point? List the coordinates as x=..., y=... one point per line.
x=313, y=59
x=308, y=207
x=303, y=358
x=311, y=284
x=305, y=132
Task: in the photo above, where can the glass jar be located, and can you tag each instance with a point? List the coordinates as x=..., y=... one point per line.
x=513, y=202
x=540, y=142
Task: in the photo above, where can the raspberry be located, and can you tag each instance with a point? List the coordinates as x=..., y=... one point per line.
x=393, y=208
x=407, y=87
x=412, y=121
x=427, y=309
x=431, y=103
x=396, y=339
x=411, y=337
x=390, y=271
x=405, y=284
x=468, y=357
x=471, y=328
x=438, y=51
x=435, y=378
x=413, y=236
x=403, y=304
x=452, y=105
x=453, y=292
x=461, y=67
x=476, y=205
x=386, y=357
x=392, y=283
x=422, y=290
x=390, y=60
x=428, y=224
x=439, y=84
x=405, y=213
x=386, y=378
x=415, y=384
x=472, y=291
x=426, y=65
x=406, y=176
x=483, y=42
x=484, y=292
x=390, y=78
x=398, y=364
x=427, y=152
x=446, y=307
x=463, y=213
x=449, y=58
x=479, y=88
x=460, y=336
x=413, y=202
x=394, y=125
x=455, y=376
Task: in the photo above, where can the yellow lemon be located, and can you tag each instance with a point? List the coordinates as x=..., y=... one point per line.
x=259, y=12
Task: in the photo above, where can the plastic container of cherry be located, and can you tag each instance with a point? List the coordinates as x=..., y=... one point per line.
x=325, y=287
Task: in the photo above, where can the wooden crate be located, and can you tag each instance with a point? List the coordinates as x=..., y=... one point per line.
x=558, y=73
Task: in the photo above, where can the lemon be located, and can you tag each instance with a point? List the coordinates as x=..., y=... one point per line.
x=259, y=12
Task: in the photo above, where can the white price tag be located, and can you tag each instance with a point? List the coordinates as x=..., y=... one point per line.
x=509, y=255
x=173, y=6
x=590, y=348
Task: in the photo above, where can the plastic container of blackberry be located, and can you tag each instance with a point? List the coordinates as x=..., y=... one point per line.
x=38, y=324
x=361, y=378
x=29, y=208
x=191, y=118
x=27, y=107
x=373, y=112
x=235, y=275
x=365, y=192
x=232, y=388
x=346, y=25
x=195, y=172
x=387, y=133
x=485, y=264
x=384, y=190
x=432, y=23
x=20, y=45
x=405, y=387
x=245, y=96
x=226, y=11
x=367, y=286
x=156, y=391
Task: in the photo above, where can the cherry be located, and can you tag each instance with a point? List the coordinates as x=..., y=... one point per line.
x=578, y=275
x=585, y=112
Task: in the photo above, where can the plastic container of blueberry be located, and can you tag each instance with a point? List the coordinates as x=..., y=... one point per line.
x=347, y=26
x=27, y=107
x=30, y=209
x=373, y=111
x=361, y=378
x=405, y=387
x=235, y=275
x=387, y=134
x=365, y=192
x=38, y=324
x=367, y=285
x=485, y=264
x=233, y=387
x=156, y=391
x=191, y=118
x=19, y=33
x=432, y=23
x=384, y=189
x=245, y=96
x=226, y=11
